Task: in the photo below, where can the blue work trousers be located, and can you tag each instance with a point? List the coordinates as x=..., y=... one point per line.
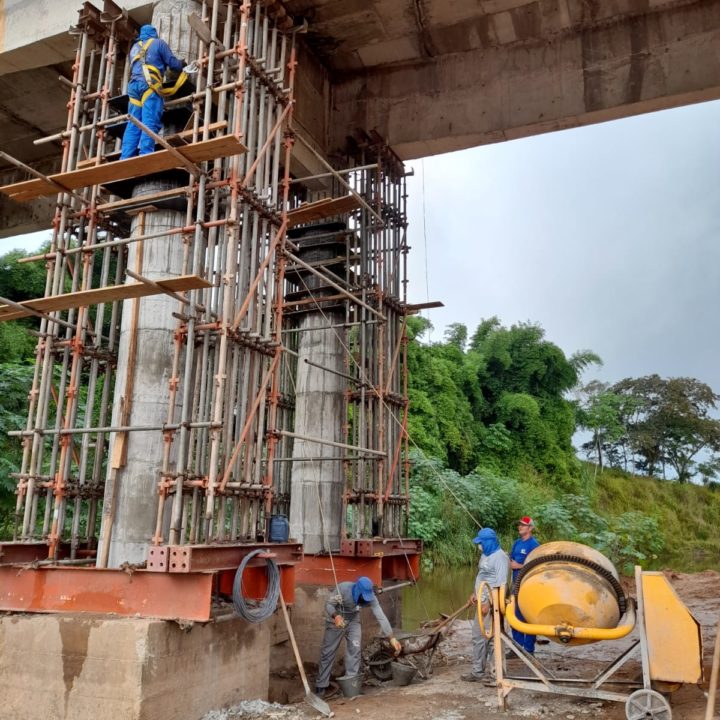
x=149, y=114
x=526, y=642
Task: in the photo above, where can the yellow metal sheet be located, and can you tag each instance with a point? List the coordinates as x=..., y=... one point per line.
x=673, y=634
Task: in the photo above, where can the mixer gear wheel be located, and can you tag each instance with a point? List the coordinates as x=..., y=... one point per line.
x=619, y=594
x=647, y=705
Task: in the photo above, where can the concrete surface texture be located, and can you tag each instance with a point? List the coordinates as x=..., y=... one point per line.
x=317, y=485
x=149, y=377
x=430, y=76
x=82, y=667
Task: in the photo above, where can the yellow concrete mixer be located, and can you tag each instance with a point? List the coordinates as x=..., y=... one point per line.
x=572, y=595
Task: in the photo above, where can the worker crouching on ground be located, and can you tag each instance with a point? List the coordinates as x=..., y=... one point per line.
x=521, y=548
x=150, y=57
x=342, y=620
x=493, y=568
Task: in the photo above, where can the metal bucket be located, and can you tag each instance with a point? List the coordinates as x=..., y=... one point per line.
x=350, y=685
x=402, y=674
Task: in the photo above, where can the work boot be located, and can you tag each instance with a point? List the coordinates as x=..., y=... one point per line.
x=320, y=692
x=510, y=655
x=471, y=677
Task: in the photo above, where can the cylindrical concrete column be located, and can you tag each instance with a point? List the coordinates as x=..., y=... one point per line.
x=317, y=485
x=145, y=388
x=148, y=334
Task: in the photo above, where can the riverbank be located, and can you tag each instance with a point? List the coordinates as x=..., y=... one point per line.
x=444, y=696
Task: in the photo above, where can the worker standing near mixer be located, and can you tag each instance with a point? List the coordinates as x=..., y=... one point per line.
x=342, y=620
x=493, y=569
x=521, y=548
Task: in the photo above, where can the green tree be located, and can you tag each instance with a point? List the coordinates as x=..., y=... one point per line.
x=599, y=411
x=670, y=423
x=18, y=282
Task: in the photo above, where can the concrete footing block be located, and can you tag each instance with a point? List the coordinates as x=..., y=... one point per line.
x=75, y=667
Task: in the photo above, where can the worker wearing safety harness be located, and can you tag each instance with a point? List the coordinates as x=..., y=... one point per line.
x=150, y=57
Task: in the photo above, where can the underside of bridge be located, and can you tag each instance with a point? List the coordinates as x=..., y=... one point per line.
x=219, y=405
x=428, y=76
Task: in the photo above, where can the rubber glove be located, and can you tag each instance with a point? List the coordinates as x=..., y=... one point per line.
x=339, y=622
x=191, y=68
x=397, y=647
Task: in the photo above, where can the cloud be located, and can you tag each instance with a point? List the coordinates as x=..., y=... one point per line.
x=606, y=235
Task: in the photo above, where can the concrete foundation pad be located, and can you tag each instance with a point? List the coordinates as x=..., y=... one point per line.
x=75, y=667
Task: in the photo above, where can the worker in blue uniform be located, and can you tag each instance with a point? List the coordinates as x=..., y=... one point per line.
x=149, y=57
x=521, y=548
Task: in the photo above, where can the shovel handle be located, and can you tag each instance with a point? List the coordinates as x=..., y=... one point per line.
x=291, y=634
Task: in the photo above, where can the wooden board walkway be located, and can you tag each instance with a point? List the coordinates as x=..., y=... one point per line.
x=67, y=301
x=321, y=209
x=224, y=146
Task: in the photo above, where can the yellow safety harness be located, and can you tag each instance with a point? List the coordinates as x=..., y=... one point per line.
x=153, y=77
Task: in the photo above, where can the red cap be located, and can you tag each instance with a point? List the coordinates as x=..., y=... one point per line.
x=526, y=520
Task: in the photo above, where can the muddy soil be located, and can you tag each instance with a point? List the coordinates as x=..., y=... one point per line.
x=444, y=696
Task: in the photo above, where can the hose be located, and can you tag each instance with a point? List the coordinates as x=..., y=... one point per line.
x=265, y=607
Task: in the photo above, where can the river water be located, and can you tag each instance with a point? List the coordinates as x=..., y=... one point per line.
x=443, y=590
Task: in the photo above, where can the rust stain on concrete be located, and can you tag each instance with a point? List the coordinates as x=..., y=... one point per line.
x=74, y=636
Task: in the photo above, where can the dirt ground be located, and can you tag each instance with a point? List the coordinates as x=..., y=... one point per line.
x=444, y=696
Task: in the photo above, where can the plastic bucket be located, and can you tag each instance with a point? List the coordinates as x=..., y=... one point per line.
x=350, y=685
x=279, y=529
x=402, y=674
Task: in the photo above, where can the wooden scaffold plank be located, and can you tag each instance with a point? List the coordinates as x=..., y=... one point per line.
x=321, y=209
x=224, y=146
x=67, y=301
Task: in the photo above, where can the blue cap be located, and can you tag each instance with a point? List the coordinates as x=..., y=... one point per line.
x=363, y=588
x=488, y=541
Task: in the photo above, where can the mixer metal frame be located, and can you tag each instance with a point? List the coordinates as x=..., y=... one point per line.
x=641, y=700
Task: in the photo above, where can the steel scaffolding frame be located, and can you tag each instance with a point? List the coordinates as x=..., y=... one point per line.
x=229, y=431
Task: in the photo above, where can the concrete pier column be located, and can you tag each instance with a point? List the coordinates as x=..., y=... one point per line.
x=149, y=380
x=317, y=485
x=148, y=333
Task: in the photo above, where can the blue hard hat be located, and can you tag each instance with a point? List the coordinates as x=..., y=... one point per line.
x=363, y=588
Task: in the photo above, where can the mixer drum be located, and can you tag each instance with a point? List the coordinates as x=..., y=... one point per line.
x=566, y=583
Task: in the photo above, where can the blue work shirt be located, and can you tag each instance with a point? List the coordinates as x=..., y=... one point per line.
x=521, y=549
x=158, y=54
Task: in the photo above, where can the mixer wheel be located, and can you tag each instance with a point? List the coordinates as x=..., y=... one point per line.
x=647, y=705
x=484, y=589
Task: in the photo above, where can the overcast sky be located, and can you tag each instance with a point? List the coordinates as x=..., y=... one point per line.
x=608, y=236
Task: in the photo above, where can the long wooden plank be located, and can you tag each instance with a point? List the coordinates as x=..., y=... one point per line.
x=224, y=146
x=312, y=212
x=67, y=301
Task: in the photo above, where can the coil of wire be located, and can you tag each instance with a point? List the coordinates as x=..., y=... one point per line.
x=257, y=611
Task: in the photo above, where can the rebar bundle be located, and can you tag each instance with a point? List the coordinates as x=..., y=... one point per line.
x=225, y=445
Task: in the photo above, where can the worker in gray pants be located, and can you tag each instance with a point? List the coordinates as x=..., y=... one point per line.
x=342, y=620
x=493, y=569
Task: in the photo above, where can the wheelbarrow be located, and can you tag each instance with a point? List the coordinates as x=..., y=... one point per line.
x=417, y=649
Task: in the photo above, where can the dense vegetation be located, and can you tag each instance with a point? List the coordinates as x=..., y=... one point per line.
x=492, y=421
